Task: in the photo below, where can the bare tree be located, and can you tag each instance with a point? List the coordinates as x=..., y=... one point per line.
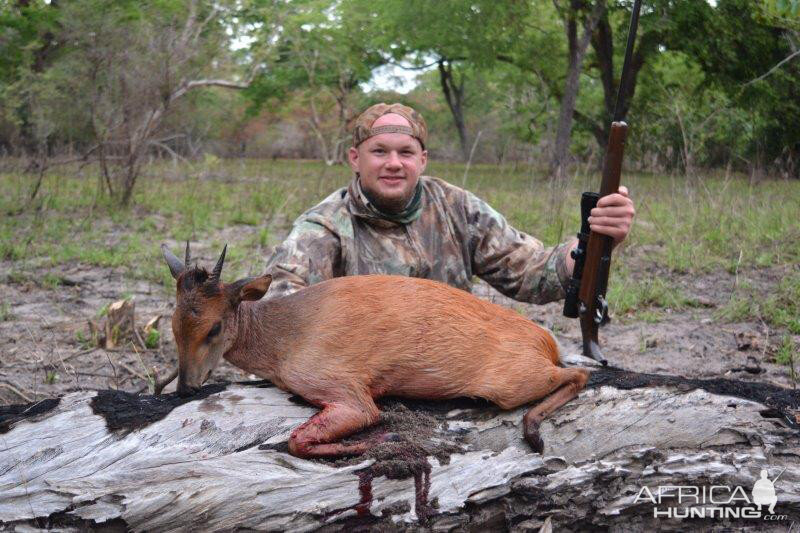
x=328, y=60
x=331, y=135
x=133, y=74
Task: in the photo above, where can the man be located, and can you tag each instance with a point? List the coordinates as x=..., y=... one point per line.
x=393, y=220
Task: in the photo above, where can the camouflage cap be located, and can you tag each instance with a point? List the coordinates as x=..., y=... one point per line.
x=363, y=129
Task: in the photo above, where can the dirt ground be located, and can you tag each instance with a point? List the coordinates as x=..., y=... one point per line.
x=44, y=353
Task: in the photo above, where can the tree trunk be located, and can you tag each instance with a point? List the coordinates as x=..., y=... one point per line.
x=577, y=51
x=218, y=461
x=454, y=95
x=130, y=173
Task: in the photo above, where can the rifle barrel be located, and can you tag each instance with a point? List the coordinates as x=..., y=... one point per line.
x=626, y=64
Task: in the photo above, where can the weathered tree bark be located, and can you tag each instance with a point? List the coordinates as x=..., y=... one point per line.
x=218, y=462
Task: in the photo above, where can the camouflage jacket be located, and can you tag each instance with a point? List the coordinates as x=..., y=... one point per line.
x=454, y=237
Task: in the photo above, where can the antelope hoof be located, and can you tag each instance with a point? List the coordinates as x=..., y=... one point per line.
x=531, y=433
x=390, y=437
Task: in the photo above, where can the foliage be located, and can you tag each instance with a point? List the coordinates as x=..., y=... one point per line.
x=684, y=122
x=318, y=55
x=475, y=38
x=152, y=338
x=120, y=67
x=784, y=13
x=716, y=83
x=737, y=49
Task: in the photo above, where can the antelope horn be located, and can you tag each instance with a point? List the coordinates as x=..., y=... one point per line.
x=188, y=257
x=176, y=267
x=218, y=268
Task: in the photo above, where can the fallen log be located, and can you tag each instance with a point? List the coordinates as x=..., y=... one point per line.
x=116, y=461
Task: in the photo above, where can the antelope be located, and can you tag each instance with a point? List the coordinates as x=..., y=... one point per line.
x=344, y=342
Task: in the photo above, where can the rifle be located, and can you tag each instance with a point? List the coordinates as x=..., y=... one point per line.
x=586, y=292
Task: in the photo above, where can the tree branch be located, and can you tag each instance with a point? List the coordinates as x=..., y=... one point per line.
x=773, y=69
x=217, y=83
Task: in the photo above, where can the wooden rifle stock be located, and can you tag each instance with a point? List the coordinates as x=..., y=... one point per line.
x=586, y=292
x=592, y=265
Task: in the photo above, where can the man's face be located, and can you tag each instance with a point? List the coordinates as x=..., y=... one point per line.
x=389, y=164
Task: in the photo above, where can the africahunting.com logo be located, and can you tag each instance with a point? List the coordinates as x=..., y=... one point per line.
x=716, y=501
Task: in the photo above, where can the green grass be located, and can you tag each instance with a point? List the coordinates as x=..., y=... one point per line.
x=5, y=312
x=787, y=351
x=83, y=339
x=51, y=376
x=779, y=307
x=152, y=338
x=74, y=223
x=651, y=297
x=708, y=225
x=713, y=224
x=721, y=224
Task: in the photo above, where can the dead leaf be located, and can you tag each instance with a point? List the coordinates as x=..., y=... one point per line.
x=152, y=323
x=747, y=340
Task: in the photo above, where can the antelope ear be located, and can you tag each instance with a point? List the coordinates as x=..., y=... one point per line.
x=249, y=289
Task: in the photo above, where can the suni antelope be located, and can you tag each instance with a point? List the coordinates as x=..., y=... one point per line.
x=344, y=342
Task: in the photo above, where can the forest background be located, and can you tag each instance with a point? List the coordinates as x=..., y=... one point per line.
x=712, y=84
x=126, y=123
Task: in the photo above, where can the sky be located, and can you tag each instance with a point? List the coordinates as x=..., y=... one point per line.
x=392, y=78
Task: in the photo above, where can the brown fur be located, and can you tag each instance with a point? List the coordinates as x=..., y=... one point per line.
x=341, y=343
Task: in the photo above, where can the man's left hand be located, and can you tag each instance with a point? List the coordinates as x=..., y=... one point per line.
x=613, y=215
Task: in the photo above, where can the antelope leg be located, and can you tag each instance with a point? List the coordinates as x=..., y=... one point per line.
x=570, y=382
x=315, y=438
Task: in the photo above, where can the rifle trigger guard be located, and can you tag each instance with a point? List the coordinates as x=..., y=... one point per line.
x=601, y=312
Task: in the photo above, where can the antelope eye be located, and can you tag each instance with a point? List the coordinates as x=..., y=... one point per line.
x=215, y=330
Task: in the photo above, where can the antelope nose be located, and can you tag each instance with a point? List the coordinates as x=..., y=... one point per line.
x=185, y=390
